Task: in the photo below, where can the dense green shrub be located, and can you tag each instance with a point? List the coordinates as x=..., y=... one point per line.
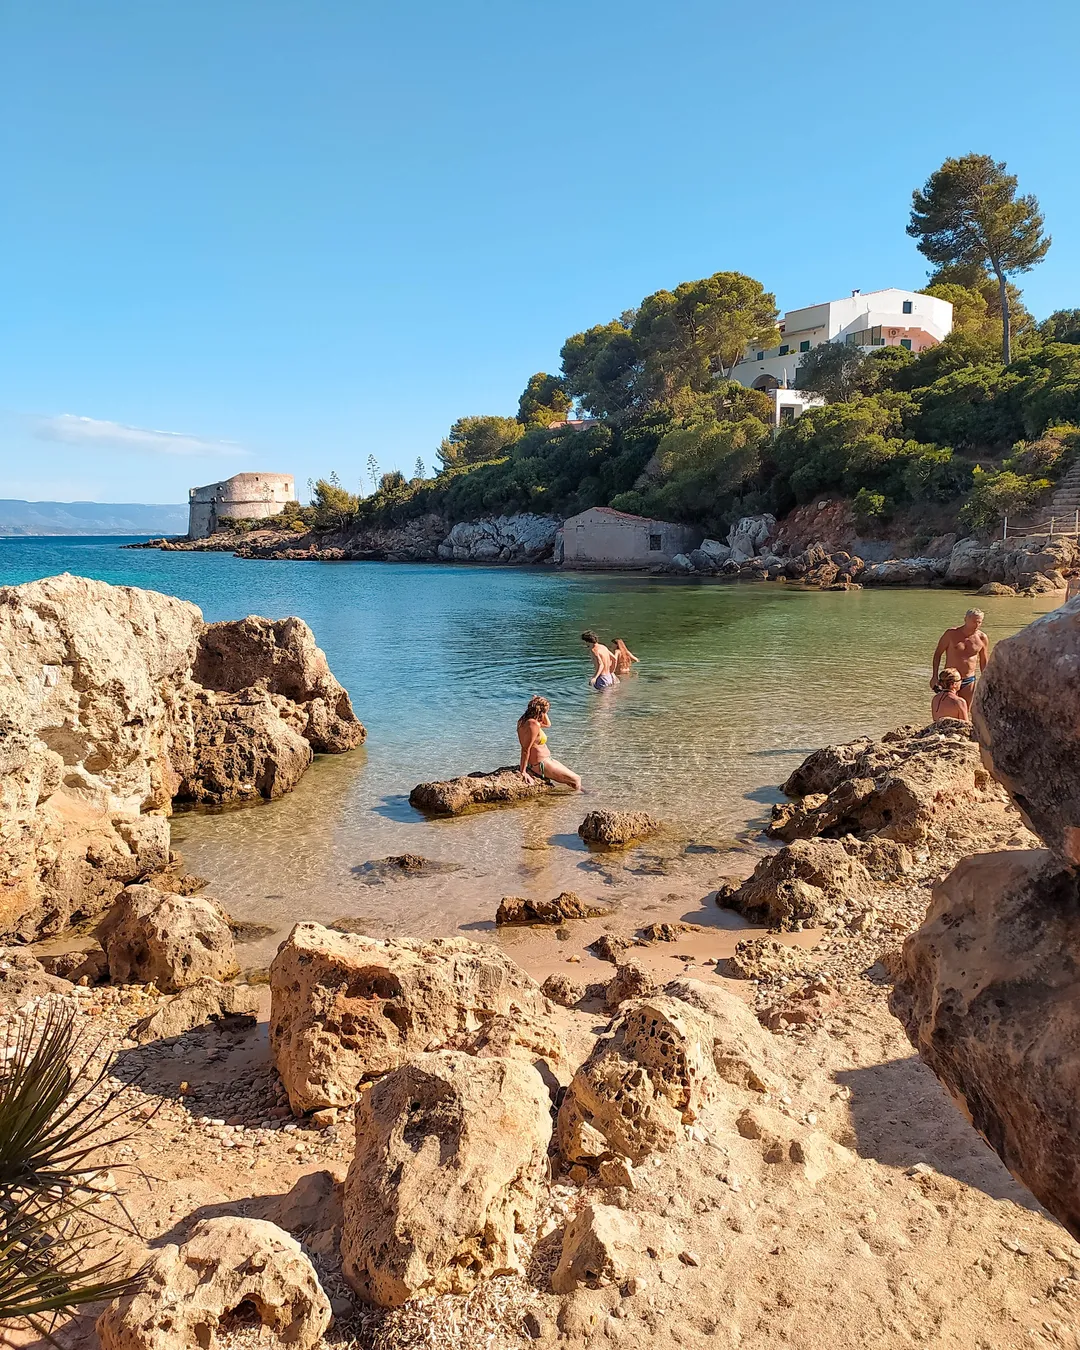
x=997, y=495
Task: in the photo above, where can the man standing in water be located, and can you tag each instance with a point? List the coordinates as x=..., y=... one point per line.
x=966, y=649
x=603, y=659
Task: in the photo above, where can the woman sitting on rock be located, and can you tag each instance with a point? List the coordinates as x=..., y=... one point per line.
x=948, y=701
x=536, y=760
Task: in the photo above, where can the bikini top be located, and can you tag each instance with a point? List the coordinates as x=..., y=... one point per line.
x=542, y=738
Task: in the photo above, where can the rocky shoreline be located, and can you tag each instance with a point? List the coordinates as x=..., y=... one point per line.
x=756, y=549
x=396, y=1143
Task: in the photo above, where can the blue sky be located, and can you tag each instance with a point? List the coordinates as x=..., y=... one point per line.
x=247, y=234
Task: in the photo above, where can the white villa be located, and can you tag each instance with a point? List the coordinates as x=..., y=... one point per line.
x=889, y=318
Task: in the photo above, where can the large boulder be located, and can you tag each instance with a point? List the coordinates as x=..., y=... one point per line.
x=112, y=700
x=989, y=992
x=151, y=936
x=187, y=1291
x=905, y=572
x=449, y=797
x=615, y=829
x=200, y=1003
x=899, y=788
x=749, y=536
x=451, y=1156
x=663, y=1059
x=799, y=885
x=606, y=1245
x=1025, y=717
x=522, y=537
x=347, y=1008
x=280, y=656
x=241, y=748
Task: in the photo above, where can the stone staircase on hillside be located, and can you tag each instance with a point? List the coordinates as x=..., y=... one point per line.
x=1061, y=515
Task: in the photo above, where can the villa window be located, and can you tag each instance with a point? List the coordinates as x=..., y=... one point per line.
x=908, y=307
x=906, y=344
x=804, y=346
x=656, y=543
x=761, y=356
x=784, y=349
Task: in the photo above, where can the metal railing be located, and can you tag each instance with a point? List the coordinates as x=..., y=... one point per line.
x=1066, y=526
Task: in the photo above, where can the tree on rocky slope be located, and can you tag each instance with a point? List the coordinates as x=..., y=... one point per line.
x=967, y=214
x=475, y=440
x=543, y=401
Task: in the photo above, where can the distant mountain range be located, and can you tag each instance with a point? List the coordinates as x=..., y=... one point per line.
x=22, y=518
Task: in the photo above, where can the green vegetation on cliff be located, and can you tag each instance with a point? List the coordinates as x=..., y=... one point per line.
x=978, y=426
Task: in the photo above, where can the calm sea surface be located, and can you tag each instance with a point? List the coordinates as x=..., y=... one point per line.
x=736, y=684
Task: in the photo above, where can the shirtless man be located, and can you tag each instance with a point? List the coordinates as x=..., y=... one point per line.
x=603, y=659
x=965, y=649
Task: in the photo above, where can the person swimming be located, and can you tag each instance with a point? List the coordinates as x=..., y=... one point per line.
x=624, y=657
x=536, y=758
x=604, y=661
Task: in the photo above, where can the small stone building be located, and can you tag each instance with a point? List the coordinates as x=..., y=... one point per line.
x=602, y=537
x=244, y=496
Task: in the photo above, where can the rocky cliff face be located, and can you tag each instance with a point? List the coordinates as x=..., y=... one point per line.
x=113, y=702
x=988, y=987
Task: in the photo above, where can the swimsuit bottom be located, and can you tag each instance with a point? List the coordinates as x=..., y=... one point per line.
x=604, y=682
x=537, y=770
x=968, y=679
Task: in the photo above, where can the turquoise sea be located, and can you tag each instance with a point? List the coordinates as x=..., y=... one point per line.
x=736, y=683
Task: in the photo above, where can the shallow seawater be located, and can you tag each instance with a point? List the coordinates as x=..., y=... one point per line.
x=736, y=684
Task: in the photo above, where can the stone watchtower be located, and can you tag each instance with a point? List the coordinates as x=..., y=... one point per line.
x=244, y=496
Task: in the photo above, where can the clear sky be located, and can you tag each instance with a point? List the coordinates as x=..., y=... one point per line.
x=289, y=234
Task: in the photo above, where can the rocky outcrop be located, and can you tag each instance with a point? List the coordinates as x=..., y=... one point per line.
x=988, y=992
x=104, y=719
x=615, y=829
x=172, y=941
x=23, y=977
x=280, y=656
x=1013, y=562
x=630, y=981
x=652, y=1074
x=187, y=1291
x=899, y=788
x=451, y=1155
x=346, y=1008
x=451, y=796
x=521, y=538
x=516, y=909
x=763, y=959
x=905, y=572
x=749, y=537
x=1025, y=717
x=799, y=886
x=202, y=1002
x=605, y=1245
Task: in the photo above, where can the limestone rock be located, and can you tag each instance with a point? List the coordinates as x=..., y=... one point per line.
x=187, y=1290
x=346, y=1008
x=785, y=1142
x=899, y=788
x=170, y=940
x=451, y=796
x=23, y=977
x=520, y=538
x=280, y=656
x=564, y=991
x=995, y=588
x=1011, y=562
x=241, y=748
x=451, y=1155
x=663, y=1059
x=798, y=885
x=205, y=1001
x=1024, y=716
x=73, y=966
x=750, y=535
x=762, y=959
x=668, y=932
x=103, y=716
x=614, y=829
x=988, y=990
x=605, y=1245
x=629, y=981
x=905, y=572
x=516, y=909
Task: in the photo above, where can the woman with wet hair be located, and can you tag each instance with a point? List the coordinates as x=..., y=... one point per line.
x=948, y=701
x=624, y=657
x=536, y=760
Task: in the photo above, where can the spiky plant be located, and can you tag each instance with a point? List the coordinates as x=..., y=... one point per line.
x=55, y=1113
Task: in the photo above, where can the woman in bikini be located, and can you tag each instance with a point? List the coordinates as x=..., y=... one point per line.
x=624, y=657
x=948, y=701
x=536, y=760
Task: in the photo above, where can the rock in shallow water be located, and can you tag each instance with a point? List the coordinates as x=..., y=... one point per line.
x=449, y=797
x=515, y=909
x=614, y=829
